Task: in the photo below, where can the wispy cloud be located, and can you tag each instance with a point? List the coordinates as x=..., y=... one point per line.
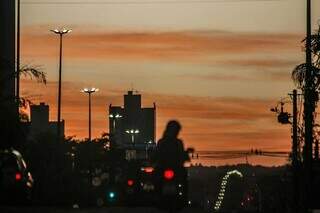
x=260, y=75
x=175, y=46
x=260, y=63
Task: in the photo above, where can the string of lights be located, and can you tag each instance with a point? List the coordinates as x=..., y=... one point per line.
x=224, y=184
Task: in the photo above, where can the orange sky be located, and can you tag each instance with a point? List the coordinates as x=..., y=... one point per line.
x=217, y=122
x=218, y=75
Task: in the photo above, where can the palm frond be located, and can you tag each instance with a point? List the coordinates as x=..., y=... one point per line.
x=24, y=102
x=34, y=72
x=298, y=75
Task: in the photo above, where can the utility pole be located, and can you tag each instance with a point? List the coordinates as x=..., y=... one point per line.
x=89, y=91
x=308, y=115
x=295, y=168
x=60, y=33
x=316, y=150
x=18, y=57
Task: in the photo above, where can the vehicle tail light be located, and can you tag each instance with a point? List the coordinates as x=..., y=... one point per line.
x=168, y=174
x=130, y=182
x=18, y=176
x=148, y=169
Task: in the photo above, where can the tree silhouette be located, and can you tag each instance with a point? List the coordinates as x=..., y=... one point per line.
x=13, y=133
x=299, y=72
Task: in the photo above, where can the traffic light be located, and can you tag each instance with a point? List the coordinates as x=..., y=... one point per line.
x=111, y=195
x=284, y=117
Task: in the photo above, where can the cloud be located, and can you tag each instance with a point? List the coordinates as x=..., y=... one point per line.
x=261, y=75
x=184, y=46
x=260, y=63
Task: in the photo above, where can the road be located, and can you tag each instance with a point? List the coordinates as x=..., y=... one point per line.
x=34, y=209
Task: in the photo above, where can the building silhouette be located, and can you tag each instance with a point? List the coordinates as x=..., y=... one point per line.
x=7, y=53
x=132, y=126
x=40, y=123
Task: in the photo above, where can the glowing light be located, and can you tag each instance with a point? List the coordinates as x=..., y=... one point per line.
x=61, y=31
x=89, y=90
x=115, y=116
x=112, y=195
x=168, y=174
x=18, y=176
x=130, y=182
x=148, y=169
x=224, y=182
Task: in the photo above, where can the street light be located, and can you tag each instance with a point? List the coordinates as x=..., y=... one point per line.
x=89, y=91
x=60, y=33
x=114, y=118
x=148, y=143
x=132, y=132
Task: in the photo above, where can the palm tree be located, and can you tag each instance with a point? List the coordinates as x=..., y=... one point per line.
x=299, y=72
x=299, y=76
x=12, y=133
x=32, y=72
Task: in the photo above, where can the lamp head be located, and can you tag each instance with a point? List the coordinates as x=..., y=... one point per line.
x=61, y=31
x=89, y=90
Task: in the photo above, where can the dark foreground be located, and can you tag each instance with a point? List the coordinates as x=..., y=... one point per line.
x=10, y=209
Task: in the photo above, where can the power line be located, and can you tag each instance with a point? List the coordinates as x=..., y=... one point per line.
x=139, y=2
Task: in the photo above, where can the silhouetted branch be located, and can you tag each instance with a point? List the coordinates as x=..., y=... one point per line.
x=34, y=72
x=299, y=72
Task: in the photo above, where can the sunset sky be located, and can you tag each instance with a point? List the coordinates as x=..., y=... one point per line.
x=217, y=66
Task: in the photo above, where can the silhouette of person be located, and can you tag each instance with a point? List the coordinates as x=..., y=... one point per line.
x=170, y=149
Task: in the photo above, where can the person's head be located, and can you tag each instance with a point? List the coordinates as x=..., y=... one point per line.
x=172, y=130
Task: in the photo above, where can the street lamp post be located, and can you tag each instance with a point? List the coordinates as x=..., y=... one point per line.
x=89, y=92
x=147, y=147
x=132, y=132
x=114, y=118
x=60, y=33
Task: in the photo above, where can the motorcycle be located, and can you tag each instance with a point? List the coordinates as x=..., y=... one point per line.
x=172, y=186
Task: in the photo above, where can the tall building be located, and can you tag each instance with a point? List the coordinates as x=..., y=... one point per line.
x=7, y=53
x=40, y=121
x=9, y=125
x=133, y=127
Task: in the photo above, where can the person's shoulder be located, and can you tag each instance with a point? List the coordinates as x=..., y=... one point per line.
x=179, y=140
x=180, y=143
x=160, y=141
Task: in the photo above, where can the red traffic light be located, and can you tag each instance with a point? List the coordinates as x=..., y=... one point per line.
x=130, y=182
x=168, y=174
x=18, y=176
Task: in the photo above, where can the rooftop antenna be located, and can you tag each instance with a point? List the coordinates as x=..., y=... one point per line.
x=132, y=88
